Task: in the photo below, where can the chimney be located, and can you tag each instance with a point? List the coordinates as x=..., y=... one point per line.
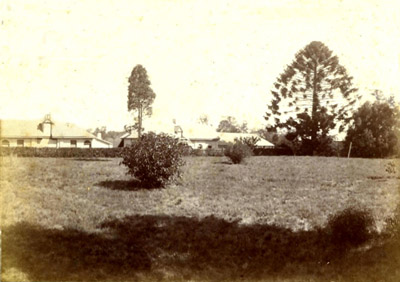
x=178, y=130
x=99, y=135
x=47, y=125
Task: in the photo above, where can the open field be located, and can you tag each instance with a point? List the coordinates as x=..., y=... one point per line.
x=80, y=220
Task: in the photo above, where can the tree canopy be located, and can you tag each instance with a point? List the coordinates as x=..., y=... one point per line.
x=230, y=125
x=374, y=130
x=311, y=96
x=140, y=96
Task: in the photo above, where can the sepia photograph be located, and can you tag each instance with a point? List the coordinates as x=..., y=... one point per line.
x=188, y=140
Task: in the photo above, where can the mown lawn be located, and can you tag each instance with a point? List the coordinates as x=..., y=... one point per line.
x=85, y=220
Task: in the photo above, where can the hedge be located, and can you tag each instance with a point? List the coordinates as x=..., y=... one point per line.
x=276, y=151
x=117, y=152
x=62, y=152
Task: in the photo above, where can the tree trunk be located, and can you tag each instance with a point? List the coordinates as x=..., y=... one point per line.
x=140, y=122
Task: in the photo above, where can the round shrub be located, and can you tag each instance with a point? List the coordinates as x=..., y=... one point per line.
x=238, y=152
x=350, y=227
x=155, y=159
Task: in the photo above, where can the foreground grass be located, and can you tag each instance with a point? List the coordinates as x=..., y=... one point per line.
x=80, y=220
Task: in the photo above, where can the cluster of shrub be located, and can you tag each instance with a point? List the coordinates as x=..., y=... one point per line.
x=62, y=152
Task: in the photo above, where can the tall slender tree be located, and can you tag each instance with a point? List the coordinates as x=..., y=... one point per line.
x=140, y=96
x=311, y=96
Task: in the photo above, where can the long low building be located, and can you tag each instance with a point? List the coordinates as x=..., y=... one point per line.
x=197, y=136
x=46, y=133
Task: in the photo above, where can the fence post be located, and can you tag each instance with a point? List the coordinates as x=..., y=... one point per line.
x=348, y=154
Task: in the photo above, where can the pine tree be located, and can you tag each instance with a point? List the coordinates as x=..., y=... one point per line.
x=311, y=96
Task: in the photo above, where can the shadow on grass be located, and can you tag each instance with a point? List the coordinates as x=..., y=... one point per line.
x=124, y=185
x=183, y=248
x=69, y=255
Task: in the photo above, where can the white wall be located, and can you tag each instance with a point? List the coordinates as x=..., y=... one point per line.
x=28, y=142
x=46, y=142
x=57, y=143
x=204, y=144
x=65, y=143
x=98, y=144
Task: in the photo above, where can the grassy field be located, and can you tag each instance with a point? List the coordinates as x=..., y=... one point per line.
x=85, y=220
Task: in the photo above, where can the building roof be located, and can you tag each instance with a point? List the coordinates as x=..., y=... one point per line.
x=130, y=135
x=199, y=132
x=193, y=132
x=230, y=138
x=31, y=129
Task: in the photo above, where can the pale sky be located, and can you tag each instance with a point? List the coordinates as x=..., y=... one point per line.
x=73, y=58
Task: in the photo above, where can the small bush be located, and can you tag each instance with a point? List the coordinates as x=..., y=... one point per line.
x=251, y=142
x=350, y=227
x=238, y=152
x=393, y=225
x=154, y=160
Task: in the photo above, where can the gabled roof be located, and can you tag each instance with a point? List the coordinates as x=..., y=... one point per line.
x=230, y=138
x=130, y=135
x=31, y=129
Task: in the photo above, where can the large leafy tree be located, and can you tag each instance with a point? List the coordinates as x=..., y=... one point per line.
x=374, y=130
x=311, y=96
x=140, y=96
